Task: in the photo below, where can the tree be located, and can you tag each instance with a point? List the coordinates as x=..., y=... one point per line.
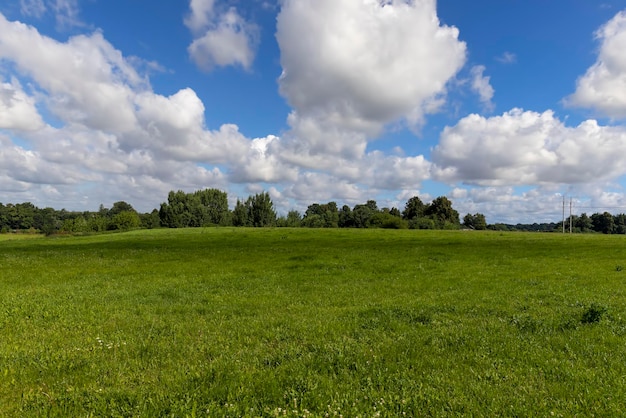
x=4, y=222
x=476, y=221
x=214, y=204
x=346, y=219
x=384, y=219
x=261, y=210
x=602, y=222
x=292, y=220
x=150, y=220
x=441, y=211
x=395, y=212
x=46, y=221
x=321, y=216
x=125, y=221
x=583, y=223
x=119, y=207
x=240, y=214
x=201, y=208
x=176, y=212
x=361, y=215
x=414, y=208
x=619, y=225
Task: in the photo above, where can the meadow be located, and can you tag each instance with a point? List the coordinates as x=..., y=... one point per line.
x=226, y=322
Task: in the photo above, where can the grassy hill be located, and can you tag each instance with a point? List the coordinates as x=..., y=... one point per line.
x=302, y=322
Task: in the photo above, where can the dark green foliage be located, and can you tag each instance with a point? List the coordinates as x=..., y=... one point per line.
x=321, y=216
x=387, y=221
x=593, y=313
x=583, y=223
x=442, y=213
x=602, y=222
x=201, y=208
x=361, y=215
x=292, y=220
x=619, y=224
x=261, y=210
x=119, y=207
x=256, y=211
x=422, y=223
x=476, y=221
x=346, y=218
x=240, y=214
x=150, y=220
x=214, y=205
x=125, y=221
x=413, y=209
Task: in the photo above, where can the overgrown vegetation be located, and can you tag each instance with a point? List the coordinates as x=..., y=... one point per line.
x=301, y=322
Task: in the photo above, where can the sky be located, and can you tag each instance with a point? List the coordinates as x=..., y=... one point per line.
x=507, y=107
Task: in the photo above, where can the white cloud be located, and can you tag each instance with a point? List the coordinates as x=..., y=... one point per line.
x=603, y=87
x=200, y=16
x=17, y=109
x=506, y=205
x=526, y=148
x=87, y=79
x=481, y=84
x=29, y=167
x=114, y=130
x=351, y=67
x=321, y=187
x=221, y=39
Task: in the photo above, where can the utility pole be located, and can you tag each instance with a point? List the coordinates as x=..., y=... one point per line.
x=570, y=215
x=563, y=213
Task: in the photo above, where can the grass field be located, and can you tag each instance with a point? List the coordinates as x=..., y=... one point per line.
x=299, y=322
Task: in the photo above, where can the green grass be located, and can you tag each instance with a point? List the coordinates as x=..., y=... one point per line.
x=298, y=322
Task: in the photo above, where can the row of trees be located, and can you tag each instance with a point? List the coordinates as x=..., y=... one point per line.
x=605, y=223
x=210, y=208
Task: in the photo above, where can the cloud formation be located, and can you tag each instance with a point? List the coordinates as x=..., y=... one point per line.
x=220, y=38
x=17, y=109
x=354, y=66
x=603, y=87
x=481, y=85
x=527, y=148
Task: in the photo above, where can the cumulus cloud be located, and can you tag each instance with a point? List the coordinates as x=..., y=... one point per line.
x=221, y=39
x=112, y=128
x=505, y=204
x=351, y=67
x=481, y=85
x=200, y=15
x=526, y=148
x=88, y=81
x=603, y=87
x=17, y=109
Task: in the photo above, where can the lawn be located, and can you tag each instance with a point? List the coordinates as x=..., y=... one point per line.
x=301, y=322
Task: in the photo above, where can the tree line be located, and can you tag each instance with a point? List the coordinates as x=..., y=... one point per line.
x=209, y=207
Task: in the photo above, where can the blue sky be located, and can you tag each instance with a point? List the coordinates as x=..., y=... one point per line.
x=503, y=106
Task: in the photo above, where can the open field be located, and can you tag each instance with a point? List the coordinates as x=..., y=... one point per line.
x=299, y=322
